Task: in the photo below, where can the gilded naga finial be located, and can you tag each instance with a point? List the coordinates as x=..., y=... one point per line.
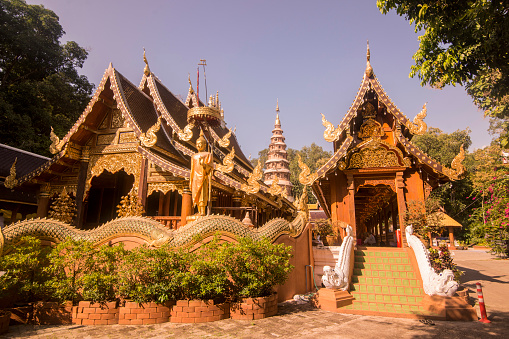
x=228, y=163
x=56, y=144
x=149, y=138
x=418, y=127
x=458, y=171
x=330, y=133
x=274, y=188
x=146, y=71
x=369, y=69
x=253, y=186
x=305, y=176
x=191, y=90
x=225, y=140
x=277, y=105
x=10, y=180
x=187, y=133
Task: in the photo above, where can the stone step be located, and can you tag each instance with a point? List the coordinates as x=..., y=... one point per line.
x=405, y=310
x=384, y=274
x=381, y=260
x=382, y=252
x=378, y=288
x=389, y=298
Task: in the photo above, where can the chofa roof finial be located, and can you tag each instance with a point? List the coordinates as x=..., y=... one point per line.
x=369, y=69
x=146, y=71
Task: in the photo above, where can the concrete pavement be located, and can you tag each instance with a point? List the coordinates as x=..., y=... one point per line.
x=302, y=321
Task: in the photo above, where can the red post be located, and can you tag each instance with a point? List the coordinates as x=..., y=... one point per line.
x=398, y=237
x=482, y=307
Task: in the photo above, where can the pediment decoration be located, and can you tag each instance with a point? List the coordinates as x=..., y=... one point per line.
x=371, y=129
x=128, y=162
x=376, y=153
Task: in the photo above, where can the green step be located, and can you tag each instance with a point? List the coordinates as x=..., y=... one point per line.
x=382, y=260
x=398, y=298
x=386, y=254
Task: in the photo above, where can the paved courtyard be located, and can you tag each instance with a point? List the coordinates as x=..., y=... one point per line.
x=302, y=321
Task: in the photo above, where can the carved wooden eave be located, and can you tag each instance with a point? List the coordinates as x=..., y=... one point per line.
x=440, y=172
x=39, y=170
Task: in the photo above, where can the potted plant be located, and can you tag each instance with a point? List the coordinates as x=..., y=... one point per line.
x=205, y=286
x=86, y=275
x=149, y=282
x=256, y=267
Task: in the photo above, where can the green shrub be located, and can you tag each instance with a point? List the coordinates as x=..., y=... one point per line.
x=255, y=267
x=206, y=276
x=25, y=279
x=441, y=259
x=152, y=275
x=84, y=272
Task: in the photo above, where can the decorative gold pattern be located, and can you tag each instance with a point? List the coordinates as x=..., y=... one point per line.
x=228, y=163
x=56, y=144
x=164, y=187
x=225, y=141
x=10, y=180
x=187, y=134
x=149, y=138
x=370, y=129
x=373, y=157
x=129, y=162
x=330, y=133
x=253, y=185
x=127, y=137
x=105, y=139
x=418, y=127
x=117, y=119
x=203, y=113
x=361, y=182
x=305, y=176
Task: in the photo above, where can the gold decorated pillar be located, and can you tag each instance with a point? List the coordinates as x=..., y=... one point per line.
x=43, y=201
x=187, y=206
x=400, y=185
x=142, y=188
x=80, y=190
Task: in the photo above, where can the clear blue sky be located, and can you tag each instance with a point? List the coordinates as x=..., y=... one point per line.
x=309, y=54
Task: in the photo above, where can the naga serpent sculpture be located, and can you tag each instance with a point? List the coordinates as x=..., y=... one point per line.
x=153, y=232
x=339, y=276
x=442, y=284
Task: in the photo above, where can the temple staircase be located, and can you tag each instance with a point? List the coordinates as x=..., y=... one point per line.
x=385, y=283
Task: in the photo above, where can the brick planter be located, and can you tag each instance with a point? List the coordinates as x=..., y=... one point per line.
x=147, y=313
x=87, y=313
x=52, y=313
x=199, y=311
x=5, y=317
x=254, y=308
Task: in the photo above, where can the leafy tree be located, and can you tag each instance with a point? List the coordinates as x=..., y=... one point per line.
x=443, y=147
x=39, y=83
x=465, y=42
x=490, y=218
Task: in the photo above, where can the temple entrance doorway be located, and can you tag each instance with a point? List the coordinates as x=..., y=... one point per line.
x=376, y=214
x=104, y=196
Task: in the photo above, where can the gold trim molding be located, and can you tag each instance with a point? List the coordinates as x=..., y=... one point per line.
x=163, y=187
x=129, y=162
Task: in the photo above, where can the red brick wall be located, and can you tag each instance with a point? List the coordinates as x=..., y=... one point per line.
x=141, y=314
x=199, y=311
x=254, y=308
x=87, y=313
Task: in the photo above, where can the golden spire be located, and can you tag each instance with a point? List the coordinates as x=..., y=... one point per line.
x=278, y=122
x=369, y=69
x=146, y=71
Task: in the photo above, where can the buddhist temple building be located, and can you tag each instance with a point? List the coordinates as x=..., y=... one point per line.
x=141, y=139
x=277, y=166
x=376, y=170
